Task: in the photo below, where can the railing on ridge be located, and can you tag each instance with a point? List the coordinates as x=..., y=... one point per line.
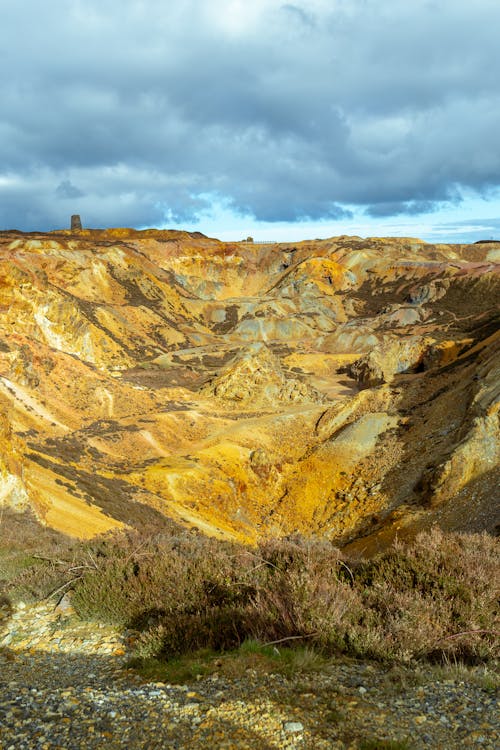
x=258, y=242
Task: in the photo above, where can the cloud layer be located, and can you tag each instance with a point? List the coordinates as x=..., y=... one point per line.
x=135, y=113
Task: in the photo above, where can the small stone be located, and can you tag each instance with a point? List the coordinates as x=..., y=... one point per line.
x=64, y=605
x=293, y=726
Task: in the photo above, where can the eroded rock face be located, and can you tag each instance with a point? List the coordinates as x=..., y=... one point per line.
x=390, y=357
x=256, y=377
x=12, y=490
x=347, y=387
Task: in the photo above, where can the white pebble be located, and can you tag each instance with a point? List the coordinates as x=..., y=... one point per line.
x=293, y=726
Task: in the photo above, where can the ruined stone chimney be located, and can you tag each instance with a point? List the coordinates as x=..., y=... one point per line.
x=76, y=223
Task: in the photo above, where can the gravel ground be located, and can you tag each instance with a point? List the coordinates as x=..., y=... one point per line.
x=64, y=685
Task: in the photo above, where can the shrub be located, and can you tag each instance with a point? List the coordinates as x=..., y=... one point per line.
x=34, y=560
x=186, y=593
x=183, y=592
x=435, y=598
x=432, y=598
x=303, y=595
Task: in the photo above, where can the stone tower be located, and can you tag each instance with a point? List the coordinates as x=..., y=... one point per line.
x=76, y=223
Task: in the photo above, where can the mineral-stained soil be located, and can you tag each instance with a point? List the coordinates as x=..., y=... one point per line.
x=347, y=387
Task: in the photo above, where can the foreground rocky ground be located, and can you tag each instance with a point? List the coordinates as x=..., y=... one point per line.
x=65, y=684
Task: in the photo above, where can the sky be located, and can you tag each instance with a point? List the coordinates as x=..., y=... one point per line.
x=279, y=120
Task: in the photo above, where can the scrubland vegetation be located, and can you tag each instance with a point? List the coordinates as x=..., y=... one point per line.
x=432, y=599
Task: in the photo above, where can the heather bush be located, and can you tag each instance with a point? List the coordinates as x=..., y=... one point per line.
x=185, y=593
x=303, y=594
x=435, y=598
x=34, y=560
x=432, y=598
x=143, y=580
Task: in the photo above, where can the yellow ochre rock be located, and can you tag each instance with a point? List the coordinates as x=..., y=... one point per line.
x=347, y=386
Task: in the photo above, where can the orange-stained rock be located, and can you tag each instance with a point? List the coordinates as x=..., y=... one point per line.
x=346, y=386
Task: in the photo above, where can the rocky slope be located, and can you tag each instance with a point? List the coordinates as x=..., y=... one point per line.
x=348, y=387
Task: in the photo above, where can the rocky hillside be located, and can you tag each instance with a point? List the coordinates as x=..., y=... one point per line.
x=347, y=387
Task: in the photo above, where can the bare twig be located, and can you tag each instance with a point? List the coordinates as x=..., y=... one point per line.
x=467, y=632
x=263, y=561
x=136, y=550
x=289, y=638
x=94, y=564
x=85, y=566
x=58, y=590
x=50, y=559
x=344, y=565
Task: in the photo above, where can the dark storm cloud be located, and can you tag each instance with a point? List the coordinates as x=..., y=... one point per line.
x=408, y=208
x=138, y=113
x=66, y=189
